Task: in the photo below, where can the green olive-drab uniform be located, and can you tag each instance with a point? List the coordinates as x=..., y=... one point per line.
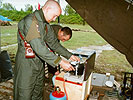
x=29, y=72
x=56, y=29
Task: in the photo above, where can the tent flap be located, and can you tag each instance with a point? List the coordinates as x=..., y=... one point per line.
x=112, y=19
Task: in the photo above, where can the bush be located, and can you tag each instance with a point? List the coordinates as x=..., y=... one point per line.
x=71, y=19
x=14, y=15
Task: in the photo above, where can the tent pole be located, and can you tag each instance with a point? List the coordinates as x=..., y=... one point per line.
x=59, y=16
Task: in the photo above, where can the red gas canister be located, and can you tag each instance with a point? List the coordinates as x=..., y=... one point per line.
x=57, y=95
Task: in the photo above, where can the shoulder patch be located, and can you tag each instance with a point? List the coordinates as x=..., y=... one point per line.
x=33, y=31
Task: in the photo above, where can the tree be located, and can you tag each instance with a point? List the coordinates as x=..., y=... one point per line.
x=28, y=7
x=0, y=3
x=8, y=6
x=21, y=9
x=69, y=10
x=72, y=16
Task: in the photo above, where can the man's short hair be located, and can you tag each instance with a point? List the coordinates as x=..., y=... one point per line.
x=67, y=31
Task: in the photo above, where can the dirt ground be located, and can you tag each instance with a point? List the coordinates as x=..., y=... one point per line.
x=6, y=89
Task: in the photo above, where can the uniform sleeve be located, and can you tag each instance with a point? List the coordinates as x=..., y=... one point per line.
x=53, y=43
x=39, y=46
x=56, y=28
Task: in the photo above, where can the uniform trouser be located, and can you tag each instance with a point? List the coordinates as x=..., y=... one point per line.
x=28, y=81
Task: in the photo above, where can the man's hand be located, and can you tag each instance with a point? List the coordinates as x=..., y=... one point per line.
x=74, y=58
x=66, y=65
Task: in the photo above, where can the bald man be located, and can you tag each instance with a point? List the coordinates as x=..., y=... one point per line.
x=34, y=32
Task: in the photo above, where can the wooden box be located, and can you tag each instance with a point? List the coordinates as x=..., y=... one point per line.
x=74, y=91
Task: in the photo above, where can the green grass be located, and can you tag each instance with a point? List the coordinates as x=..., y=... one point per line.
x=113, y=62
x=84, y=39
x=8, y=35
x=75, y=26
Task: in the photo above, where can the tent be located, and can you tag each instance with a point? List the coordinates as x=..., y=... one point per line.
x=4, y=18
x=112, y=19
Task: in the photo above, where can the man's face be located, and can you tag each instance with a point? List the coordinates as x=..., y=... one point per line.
x=63, y=37
x=52, y=14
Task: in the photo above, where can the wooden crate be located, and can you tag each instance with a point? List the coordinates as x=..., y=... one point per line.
x=75, y=91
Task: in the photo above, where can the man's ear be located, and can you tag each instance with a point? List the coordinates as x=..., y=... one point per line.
x=59, y=32
x=62, y=33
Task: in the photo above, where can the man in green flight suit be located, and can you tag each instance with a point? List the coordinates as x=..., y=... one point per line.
x=34, y=32
x=63, y=34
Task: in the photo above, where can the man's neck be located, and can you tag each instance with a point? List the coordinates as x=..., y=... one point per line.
x=42, y=15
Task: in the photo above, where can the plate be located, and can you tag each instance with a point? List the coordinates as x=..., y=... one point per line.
x=109, y=83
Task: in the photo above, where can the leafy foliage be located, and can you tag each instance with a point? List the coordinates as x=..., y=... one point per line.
x=69, y=10
x=28, y=7
x=14, y=15
x=70, y=17
x=8, y=6
x=9, y=11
